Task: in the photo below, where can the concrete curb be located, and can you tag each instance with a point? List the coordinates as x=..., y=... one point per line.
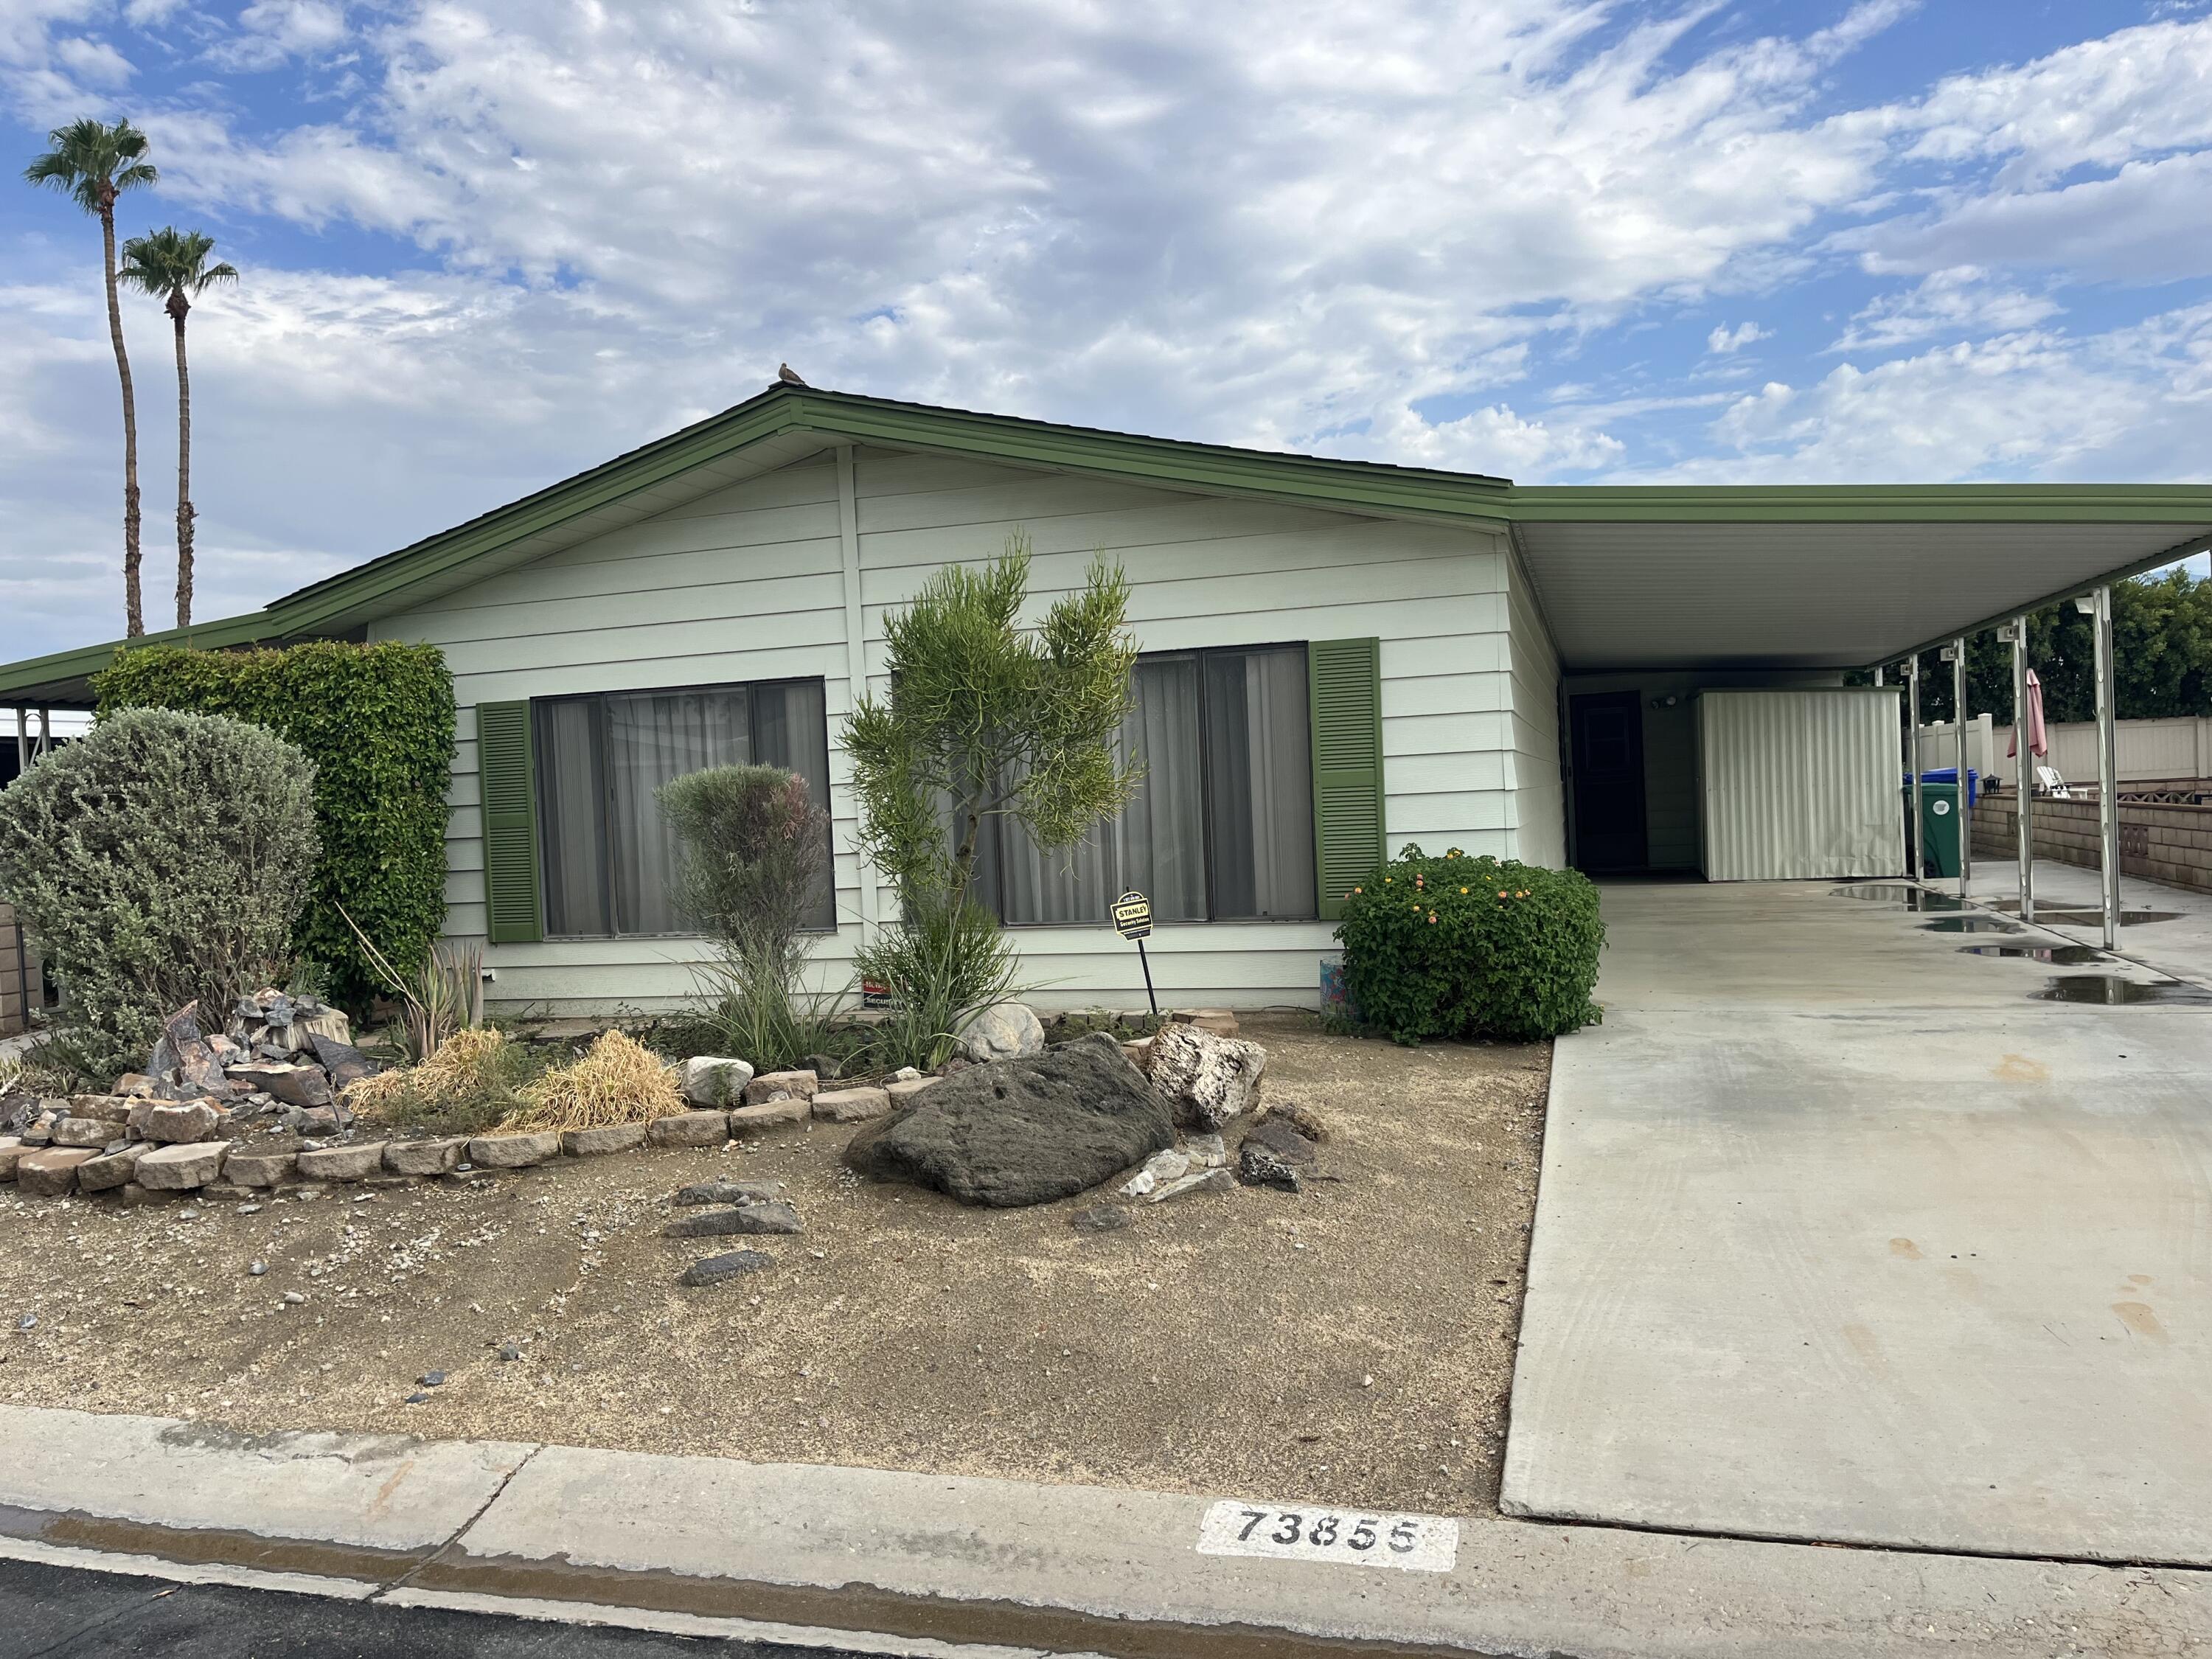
x=627, y=1537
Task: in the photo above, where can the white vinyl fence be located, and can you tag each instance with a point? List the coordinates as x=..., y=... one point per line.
x=2148, y=750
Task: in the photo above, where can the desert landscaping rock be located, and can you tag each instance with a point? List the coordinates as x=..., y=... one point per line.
x=1100, y=1219
x=607, y=1137
x=714, y=1269
x=251, y=1166
x=108, y=1109
x=515, y=1152
x=772, y=1217
x=83, y=1132
x=1018, y=1132
x=112, y=1170
x=179, y=1167
x=903, y=1091
x=714, y=1080
x=1201, y=1181
x=419, y=1158
x=295, y=1084
x=691, y=1129
x=851, y=1105
x=728, y=1192
x=790, y=1109
x=783, y=1085
x=345, y=1063
x=1004, y=1030
x=1259, y=1165
x=11, y=1148
x=342, y=1162
x=1207, y=1080
x=51, y=1172
x=1205, y=1152
x=1308, y=1122
x=1281, y=1137
x=177, y=1124
x=1220, y=1021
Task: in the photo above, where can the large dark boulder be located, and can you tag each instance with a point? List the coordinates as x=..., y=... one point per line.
x=1024, y=1130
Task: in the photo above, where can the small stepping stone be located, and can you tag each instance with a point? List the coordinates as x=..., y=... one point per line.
x=729, y=1192
x=714, y=1269
x=1100, y=1219
x=774, y=1217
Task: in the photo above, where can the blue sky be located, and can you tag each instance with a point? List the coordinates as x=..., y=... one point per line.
x=485, y=246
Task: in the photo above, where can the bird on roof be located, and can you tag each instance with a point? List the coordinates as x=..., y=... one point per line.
x=788, y=375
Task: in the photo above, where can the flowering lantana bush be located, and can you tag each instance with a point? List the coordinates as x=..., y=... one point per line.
x=1470, y=947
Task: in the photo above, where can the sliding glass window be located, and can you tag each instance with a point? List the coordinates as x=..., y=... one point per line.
x=608, y=853
x=1222, y=827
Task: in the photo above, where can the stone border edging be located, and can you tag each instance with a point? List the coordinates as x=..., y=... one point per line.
x=962, y=1558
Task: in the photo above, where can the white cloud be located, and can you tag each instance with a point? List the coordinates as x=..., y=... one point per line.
x=1960, y=301
x=1724, y=341
x=2130, y=403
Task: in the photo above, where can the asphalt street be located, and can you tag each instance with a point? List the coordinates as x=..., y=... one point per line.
x=59, y=1613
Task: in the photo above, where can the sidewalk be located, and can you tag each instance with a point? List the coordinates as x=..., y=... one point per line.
x=908, y=1563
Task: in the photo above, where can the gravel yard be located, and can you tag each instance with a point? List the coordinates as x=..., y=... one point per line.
x=1351, y=1344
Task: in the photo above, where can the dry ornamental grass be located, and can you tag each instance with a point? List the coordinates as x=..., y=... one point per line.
x=618, y=1080
x=462, y=1070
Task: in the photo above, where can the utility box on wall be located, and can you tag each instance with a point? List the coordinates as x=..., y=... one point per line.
x=1801, y=785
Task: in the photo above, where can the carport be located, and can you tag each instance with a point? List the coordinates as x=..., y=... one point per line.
x=1654, y=596
x=1845, y=1231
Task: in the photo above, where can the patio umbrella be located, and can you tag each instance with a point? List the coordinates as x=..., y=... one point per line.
x=2039, y=739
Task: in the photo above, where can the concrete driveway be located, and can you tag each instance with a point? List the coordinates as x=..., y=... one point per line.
x=1843, y=1234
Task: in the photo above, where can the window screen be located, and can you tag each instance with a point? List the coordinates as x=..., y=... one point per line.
x=609, y=854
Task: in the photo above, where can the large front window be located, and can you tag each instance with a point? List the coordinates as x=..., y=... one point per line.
x=1222, y=827
x=608, y=853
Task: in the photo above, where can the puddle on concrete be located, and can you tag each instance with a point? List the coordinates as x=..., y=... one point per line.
x=1972, y=925
x=2058, y=956
x=2096, y=918
x=2110, y=990
x=1897, y=892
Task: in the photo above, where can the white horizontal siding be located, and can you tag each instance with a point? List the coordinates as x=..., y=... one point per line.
x=746, y=583
x=1540, y=796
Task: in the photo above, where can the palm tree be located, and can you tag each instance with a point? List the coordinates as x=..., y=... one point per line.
x=94, y=163
x=172, y=264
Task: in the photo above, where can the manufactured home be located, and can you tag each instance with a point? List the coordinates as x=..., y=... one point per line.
x=1339, y=658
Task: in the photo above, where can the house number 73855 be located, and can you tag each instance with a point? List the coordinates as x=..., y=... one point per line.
x=1422, y=1543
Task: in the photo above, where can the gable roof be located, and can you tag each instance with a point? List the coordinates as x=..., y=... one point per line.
x=2142, y=525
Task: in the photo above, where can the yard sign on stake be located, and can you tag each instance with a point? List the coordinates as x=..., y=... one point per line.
x=1132, y=918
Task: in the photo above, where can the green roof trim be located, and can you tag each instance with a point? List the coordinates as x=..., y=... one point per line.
x=388, y=584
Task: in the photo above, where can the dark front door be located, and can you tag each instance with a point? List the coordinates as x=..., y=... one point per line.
x=1607, y=730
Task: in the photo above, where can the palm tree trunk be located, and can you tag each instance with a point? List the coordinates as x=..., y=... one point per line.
x=178, y=306
x=134, y=616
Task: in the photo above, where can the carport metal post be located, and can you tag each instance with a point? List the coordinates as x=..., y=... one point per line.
x=2024, y=770
x=2108, y=770
x=22, y=740
x=1958, y=723
x=1919, y=854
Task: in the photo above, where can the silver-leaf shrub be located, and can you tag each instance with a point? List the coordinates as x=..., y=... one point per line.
x=163, y=857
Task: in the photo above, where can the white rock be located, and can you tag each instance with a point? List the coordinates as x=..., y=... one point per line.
x=714, y=1080
x=1004, y=1030
x=1206, y=1151
x=1168, y=1165
x=1140, y=1183
x=1206, y=1080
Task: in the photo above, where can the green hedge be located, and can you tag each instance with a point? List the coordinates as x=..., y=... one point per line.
x=377, y=721
x=1470, y=947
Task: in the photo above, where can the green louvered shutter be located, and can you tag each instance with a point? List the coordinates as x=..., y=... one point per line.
x=1345, y=682
x=506, y=771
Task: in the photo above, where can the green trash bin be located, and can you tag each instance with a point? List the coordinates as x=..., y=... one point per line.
x=1939, y=828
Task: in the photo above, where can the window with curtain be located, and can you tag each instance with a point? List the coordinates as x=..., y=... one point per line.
x=1222, y=826
x=607, y=851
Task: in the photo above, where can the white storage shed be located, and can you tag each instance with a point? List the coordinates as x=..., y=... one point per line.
x=1800, y=784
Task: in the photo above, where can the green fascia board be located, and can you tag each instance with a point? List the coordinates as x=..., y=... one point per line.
x=2184, y=505
x=64, y=668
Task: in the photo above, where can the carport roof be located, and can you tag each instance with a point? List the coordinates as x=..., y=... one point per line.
x=1627, y=576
